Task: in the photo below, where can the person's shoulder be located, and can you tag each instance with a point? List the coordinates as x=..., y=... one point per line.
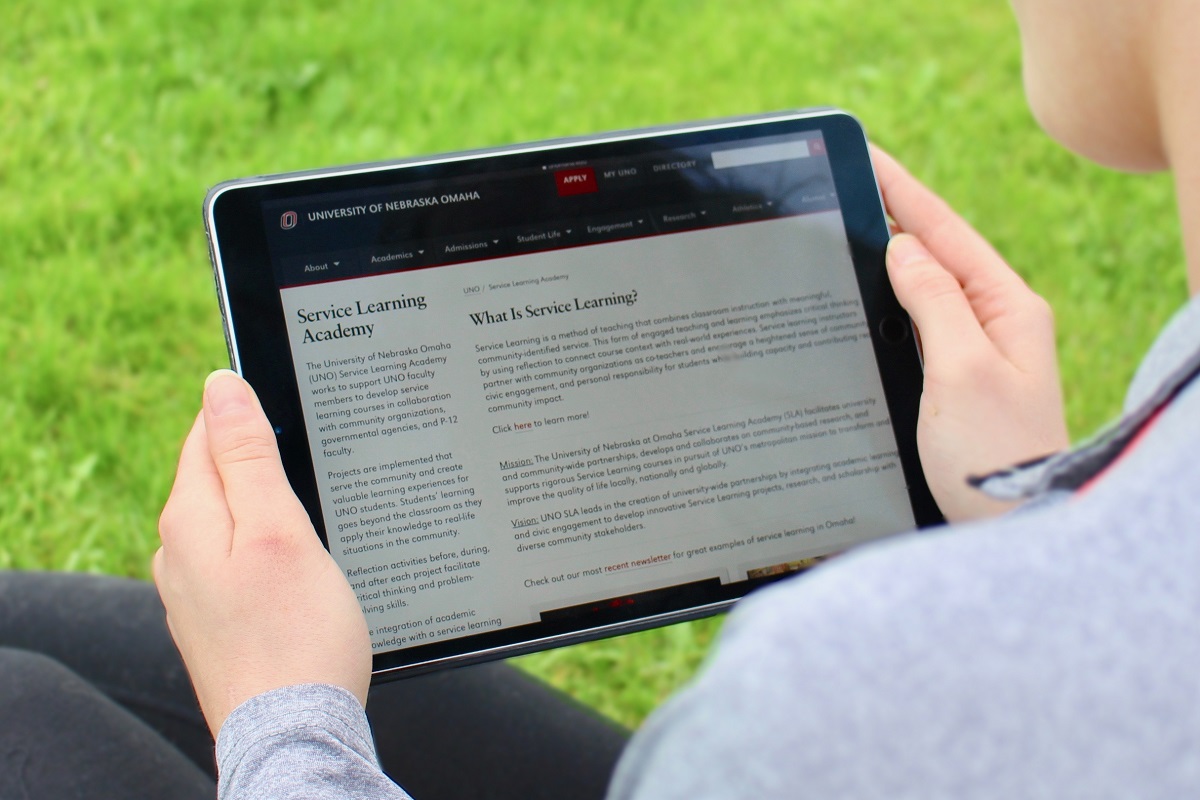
x=904, y=600
x=1174, y=346
x=1015, y=649
x=973, y=591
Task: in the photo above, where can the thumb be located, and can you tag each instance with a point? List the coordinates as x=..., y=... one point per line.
x=934, y=299
x=243, y=448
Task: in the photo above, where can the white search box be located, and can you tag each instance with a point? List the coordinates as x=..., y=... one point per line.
x=762, y=154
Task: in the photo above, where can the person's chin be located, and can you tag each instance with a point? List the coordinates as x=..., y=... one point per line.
x=1119, y=142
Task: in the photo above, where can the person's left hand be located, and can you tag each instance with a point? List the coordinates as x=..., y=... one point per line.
x=991, y=395
x=254, y=602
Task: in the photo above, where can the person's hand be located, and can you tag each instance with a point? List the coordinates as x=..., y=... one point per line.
x=992, y=396
x=254, y=602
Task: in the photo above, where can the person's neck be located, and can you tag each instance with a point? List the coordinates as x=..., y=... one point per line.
x=1177, y=65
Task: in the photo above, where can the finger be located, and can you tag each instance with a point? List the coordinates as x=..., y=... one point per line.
x=197, y=499
x=158, y=571
x=935, y=301
x=986, y=278
x=242, y=446
x=1009, y=312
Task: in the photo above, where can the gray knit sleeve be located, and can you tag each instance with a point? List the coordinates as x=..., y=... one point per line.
x=310, y=741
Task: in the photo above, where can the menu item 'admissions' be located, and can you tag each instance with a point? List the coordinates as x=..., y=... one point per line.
x=537, y=395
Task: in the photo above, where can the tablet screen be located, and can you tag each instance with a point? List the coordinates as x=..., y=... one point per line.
x=578, y=387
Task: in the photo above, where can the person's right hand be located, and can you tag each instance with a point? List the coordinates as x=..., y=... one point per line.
x=254, y=602
x=992, y=396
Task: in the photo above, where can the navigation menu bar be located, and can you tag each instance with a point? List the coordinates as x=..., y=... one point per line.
x=496, y=215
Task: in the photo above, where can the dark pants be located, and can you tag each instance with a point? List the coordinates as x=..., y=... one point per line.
x=95, y=703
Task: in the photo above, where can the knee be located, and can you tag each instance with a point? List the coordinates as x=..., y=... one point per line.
x=31, y=680
x=34, y=692
x=60, y=736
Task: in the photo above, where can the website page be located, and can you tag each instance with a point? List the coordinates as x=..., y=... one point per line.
x=507, y=435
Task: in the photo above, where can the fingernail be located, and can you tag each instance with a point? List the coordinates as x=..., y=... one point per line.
x=225, y=392
x=904, y=248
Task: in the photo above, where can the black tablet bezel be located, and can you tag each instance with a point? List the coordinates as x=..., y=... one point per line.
x=257, y=338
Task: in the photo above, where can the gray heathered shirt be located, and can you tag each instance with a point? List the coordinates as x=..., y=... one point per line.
x=1054, y=652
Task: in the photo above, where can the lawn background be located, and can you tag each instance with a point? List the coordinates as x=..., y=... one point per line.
x=115, y=117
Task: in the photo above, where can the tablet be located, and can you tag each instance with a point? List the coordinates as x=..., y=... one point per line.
x=551, y=392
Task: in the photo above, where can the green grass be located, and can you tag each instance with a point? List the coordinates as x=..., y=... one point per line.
x=116, y=116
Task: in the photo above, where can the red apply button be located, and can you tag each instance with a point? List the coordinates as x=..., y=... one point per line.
x=575, y=181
